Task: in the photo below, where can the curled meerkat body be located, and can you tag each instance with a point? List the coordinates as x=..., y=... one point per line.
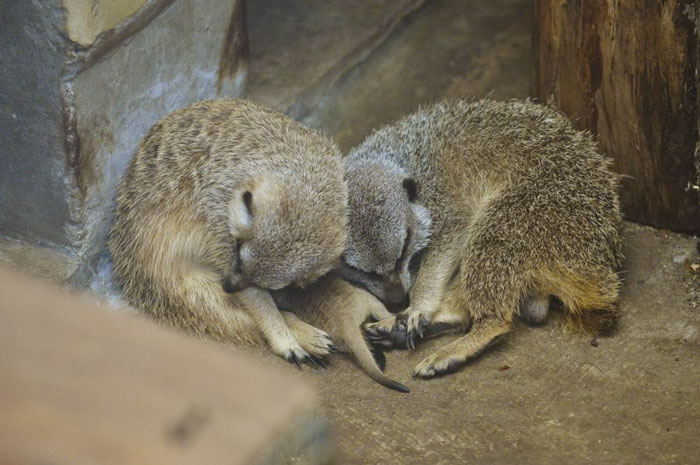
x=523, y=206
x=341, y=309
x=227, y=194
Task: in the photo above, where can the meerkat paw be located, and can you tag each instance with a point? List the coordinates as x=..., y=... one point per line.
x=452, y=356
x=388, y=333
x=439, y=363
x=414, y=323
x=317, y=343
x=291, y=351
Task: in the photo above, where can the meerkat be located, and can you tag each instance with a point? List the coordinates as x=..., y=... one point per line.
x=223, y=201
x=522, y=207
x=340, y=309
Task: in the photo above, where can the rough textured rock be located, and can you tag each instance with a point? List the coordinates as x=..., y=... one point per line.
x=165, y=66
x=299, y=49
x=71, y=116
x=34, y=192
x=89, y=18
x=445, y=49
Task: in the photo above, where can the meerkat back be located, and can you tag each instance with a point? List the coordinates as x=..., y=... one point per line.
x=225, y=188
x=523, y=206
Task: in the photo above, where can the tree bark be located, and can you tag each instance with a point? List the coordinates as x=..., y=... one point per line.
x=625, y=70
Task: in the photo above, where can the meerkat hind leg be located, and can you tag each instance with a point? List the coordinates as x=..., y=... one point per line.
x=379, y=312
x=453, y=355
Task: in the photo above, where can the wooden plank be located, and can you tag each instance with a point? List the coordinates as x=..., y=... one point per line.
x=626, y=71
x=81, y=384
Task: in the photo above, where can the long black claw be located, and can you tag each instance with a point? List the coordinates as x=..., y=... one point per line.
x=420, y=328
x=410, y=339
x=333, y=349
x=313, y=361
x=292, y=357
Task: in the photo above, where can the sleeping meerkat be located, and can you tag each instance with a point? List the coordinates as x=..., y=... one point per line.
x=341, y=309
x=522, y=207
x=222, y=201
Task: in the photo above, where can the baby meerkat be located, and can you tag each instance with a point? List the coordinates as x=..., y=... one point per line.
x=522, y=206
x=223, y=201
x=340, y=309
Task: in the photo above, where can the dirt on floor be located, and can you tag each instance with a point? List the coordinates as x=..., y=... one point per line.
x=544, y=395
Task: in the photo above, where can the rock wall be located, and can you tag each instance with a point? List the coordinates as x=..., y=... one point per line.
x=77, y=98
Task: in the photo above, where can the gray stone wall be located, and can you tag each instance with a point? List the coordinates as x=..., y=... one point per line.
x=71, y=116
x=165, y=66
x=34, y=192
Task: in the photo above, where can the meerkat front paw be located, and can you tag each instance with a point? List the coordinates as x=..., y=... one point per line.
x=291, y=351
x=387, y=334
x=414, y=323
x=317, y=343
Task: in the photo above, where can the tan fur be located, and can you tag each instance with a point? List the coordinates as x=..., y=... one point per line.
x=340, y=309
x=523, y=206
x=182, y=222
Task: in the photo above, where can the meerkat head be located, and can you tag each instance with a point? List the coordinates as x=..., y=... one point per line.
x=289, y=227
x=387, y=228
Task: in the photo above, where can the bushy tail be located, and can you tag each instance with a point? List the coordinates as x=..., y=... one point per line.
x=591, y=303
x=360, y=351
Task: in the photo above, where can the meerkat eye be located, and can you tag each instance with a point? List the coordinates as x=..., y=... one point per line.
x=248, y=201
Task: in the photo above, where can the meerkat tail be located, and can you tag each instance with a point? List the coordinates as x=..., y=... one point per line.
x=591, y=303
x=359, y=349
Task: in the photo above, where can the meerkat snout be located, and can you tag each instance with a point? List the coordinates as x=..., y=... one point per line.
x=378, y=258
x=394, y=289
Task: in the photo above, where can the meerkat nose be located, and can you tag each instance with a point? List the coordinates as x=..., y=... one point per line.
x=395, y=293
x=234, y=283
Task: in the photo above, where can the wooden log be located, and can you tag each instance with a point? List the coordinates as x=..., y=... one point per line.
x=625, y=70
x=81, y=384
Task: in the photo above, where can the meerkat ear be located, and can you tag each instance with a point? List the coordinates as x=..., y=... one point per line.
x=410, y=185
x=240, y=213
x=248, y=201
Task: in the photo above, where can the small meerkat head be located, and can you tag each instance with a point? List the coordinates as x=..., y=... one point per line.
x=387, y=228
x=288, y=227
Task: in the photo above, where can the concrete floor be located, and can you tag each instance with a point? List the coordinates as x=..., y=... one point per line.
x=544, y=395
